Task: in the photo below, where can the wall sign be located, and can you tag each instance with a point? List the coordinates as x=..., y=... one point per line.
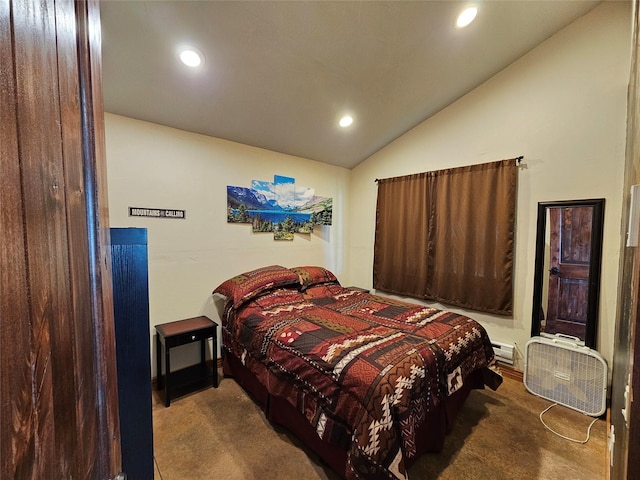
x=157, y=213
x=281, y=207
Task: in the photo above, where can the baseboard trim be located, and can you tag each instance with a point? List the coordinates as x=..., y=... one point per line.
x=510, y=372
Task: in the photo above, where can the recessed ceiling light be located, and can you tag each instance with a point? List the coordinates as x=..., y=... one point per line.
x=346, y=121
x=466, y=17
x=191, y=57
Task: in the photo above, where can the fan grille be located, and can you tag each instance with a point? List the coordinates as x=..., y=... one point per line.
x=563, y=374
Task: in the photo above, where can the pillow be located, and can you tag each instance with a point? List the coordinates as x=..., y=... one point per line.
x=247, y=285
x=310, y=275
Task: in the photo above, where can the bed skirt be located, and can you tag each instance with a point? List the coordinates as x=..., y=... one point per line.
x=279, y=411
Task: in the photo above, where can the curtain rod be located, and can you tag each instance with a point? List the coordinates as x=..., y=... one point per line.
x=518, y=160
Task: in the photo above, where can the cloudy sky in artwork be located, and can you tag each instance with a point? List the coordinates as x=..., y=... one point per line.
x=284, y=191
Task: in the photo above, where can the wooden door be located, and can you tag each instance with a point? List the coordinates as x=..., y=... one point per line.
x=58, y=393
x=570, y=252
x=625, y=383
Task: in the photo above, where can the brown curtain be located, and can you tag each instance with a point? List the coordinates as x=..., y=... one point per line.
x=448, y=235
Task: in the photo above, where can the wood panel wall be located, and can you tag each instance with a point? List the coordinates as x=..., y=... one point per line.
x=626, y=454
x=58, y=393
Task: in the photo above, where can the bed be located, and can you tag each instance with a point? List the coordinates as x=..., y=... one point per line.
x=369, y=383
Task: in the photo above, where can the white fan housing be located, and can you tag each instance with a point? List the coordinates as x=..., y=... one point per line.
x=566, y=372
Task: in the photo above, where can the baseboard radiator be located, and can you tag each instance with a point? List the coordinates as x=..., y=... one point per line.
x=503, y=352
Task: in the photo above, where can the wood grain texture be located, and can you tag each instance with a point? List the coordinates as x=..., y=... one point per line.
x=133, y=349
x=94, y=153
x=58, y=397
x=625, y=458
x=17, y=436
x=76, y=211
x=41, y=178
x=576, y=235
x=570, y=232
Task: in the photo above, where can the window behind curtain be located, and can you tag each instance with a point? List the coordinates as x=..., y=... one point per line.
x=448, y=236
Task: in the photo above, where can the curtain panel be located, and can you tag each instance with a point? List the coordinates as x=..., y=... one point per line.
x=448, y=236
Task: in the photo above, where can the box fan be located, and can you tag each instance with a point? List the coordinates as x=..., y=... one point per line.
x=563, y=370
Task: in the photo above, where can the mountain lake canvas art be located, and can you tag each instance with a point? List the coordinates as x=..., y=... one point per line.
x=280, y=207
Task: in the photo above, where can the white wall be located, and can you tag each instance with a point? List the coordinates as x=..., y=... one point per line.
x=562, y=106
x=152, y=166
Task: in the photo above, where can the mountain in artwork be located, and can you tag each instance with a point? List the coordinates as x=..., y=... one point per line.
x=250, y=198
x=254, y=200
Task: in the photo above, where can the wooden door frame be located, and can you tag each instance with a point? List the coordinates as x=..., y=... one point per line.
x=625, y=457
x=595, y=264
x=95, y=162
x=57, y=346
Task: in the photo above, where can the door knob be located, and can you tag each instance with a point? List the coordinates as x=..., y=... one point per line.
x=554, y=271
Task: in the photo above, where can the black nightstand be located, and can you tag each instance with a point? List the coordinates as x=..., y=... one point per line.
x=182, y=332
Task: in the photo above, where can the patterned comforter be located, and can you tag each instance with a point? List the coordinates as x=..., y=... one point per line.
x=365, y=370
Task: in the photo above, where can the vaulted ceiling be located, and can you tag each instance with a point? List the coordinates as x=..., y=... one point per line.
x=279, y=75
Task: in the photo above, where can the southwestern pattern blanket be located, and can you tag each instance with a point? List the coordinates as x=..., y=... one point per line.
x=364, y=369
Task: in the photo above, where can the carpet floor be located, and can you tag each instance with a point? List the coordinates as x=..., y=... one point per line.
x=222, y=434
